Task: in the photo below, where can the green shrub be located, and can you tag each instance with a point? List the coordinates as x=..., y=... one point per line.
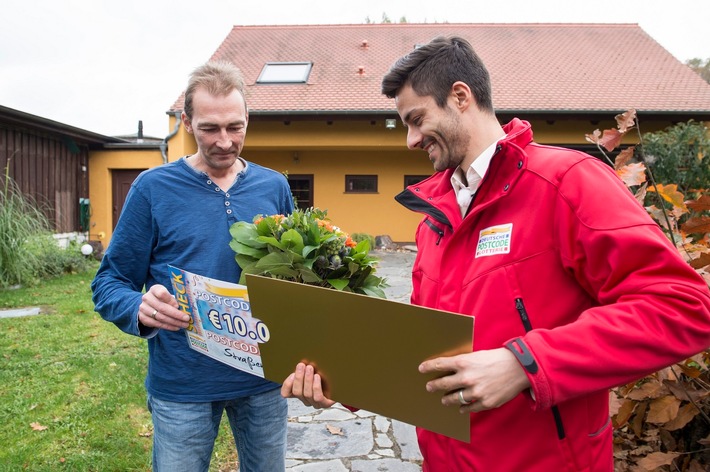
x=28, y=251
x=54, y=260
x=680, y=155
x=20, y=218
x=357, y=237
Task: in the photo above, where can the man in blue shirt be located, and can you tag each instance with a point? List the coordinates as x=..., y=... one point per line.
x=179, y=214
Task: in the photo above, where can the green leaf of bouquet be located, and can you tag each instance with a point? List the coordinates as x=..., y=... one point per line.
x=272, y=241
x=286, y=272
x=292, y=240
x=353, y=267
x=248, y=269
x=363, y=246
x=307, y=250
x=264, y=227
x=339, y=284
x=245, y=261
x=374, y=292
x=308, y=276
x=338, y=273
x=359, y=280
x=273, y=260
x=240, y=248
x=245, y=233
x=314, y=233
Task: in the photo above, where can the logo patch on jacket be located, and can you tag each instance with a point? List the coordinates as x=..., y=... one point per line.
x=494, y=240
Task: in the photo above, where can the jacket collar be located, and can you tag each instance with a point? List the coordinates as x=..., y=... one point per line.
x=510, y=157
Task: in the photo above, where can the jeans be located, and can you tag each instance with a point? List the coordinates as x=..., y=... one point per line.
x=184, y=433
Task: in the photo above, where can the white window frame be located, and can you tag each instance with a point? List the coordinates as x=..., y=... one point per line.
x=285, y=73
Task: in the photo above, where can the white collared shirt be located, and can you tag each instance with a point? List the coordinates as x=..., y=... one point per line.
x=474, y=175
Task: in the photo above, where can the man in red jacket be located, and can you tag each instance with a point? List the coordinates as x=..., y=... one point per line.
x=574, y=288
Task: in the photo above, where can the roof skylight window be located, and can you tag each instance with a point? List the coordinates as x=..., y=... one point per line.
x=285, y=73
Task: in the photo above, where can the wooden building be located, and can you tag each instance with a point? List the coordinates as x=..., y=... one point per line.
x=49, y=161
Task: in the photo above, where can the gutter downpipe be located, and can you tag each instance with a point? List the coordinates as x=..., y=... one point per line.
x=164, y=144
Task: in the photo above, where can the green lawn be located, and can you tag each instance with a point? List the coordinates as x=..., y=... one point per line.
x=71, y=387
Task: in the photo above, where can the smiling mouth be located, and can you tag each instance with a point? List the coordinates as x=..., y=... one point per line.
x=429, y=146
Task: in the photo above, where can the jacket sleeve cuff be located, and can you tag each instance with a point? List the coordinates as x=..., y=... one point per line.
x=539, y=394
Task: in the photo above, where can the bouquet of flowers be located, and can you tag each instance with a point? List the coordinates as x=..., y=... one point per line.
x=305, y=247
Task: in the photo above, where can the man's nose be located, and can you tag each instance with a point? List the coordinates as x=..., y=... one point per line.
x=224, y=141
x=414, y=138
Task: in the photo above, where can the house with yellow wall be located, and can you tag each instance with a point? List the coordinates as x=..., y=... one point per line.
x=317, y=114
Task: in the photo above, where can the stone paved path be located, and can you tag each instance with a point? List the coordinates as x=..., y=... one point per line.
x=337, y=440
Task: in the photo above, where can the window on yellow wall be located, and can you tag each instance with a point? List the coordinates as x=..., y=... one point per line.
x=414, y=179
x=360, y=184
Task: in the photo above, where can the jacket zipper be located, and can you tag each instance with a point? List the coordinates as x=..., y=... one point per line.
x=434, y=228
x=523, y=313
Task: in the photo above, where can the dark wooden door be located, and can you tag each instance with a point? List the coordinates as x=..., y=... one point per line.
x=121, y=180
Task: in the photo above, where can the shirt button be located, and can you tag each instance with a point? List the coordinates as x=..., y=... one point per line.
x=507, y=186
x=226, y=195
x=209, y=182
x=226, y=203
x=216, y=189
x=229, y=212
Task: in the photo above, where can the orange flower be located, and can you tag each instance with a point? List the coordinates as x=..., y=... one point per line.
x=349, y=242
x=325, y=224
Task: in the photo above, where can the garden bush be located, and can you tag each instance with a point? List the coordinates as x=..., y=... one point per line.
x=357, y=237
x=680, y=155
x=662, y=421
x=28, y=251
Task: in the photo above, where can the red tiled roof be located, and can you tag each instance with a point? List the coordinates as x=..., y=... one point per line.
x=533, y=67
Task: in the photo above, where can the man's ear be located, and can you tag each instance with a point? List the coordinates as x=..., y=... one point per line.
x=461, y=93
x=186, y=122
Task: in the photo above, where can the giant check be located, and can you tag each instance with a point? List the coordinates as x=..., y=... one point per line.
x=366, y=349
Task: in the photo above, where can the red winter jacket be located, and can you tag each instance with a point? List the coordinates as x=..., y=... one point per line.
x=557, y=256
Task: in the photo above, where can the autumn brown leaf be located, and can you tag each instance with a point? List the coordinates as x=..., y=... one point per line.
x=624, y=157
x=640, y=194
x=701, y=261
x=637, y=423
x=663, y=409
x=690, y=370
x=626, y=120
x=335, y=430
x=685, y=391
x=610, y=140
x=38, y=427
x=685, y=415
x=701, y=204
x=696, y=466
x=594, y=137
x=697, y=225
x=649, y=390
x=656, y=459
x=670, y=194
x=632, y=174
x=614, y=404
x=624, y=413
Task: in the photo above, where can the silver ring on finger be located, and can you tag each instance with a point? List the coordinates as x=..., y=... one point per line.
x=462, y=400
x=152, y=315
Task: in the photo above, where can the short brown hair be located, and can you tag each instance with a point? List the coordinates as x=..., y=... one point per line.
x=433, y=68
x=218, y=77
